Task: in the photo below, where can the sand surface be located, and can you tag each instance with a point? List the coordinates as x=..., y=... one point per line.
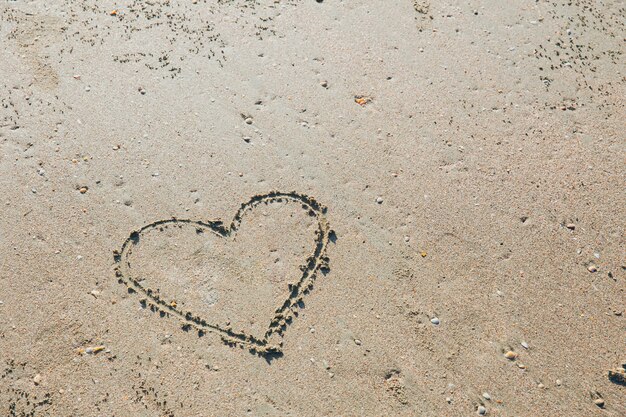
x=448, y=237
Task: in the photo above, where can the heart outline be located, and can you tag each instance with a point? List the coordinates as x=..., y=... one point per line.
x=317, y=262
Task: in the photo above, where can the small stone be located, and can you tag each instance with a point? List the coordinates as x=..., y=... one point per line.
x=83, y=189
x=357, y=342
x=435, y=320
x=570, y=226
x=379, y=200
x=525, y=345
x=541, y=386
x=521, y=366
x=592, y=268
x=599, y=402
x=324, y=84
x=37, y=379
x=248, y=120
x=247, y=139
x=558, y=382
x=406, y=239
x=482, y=410
x=116, y=147
x=510, y=355
x=486, y=396
x=95, y=293
x=87, y=88
x=449, y=400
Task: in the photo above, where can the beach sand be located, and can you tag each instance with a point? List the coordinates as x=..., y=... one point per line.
x=312, y=208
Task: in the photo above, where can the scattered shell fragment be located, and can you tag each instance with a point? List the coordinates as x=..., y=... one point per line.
x=599, y=402
x=511, y=355
x=525, y=345
x=482, y=410
x=486, y=396
x=37, y=379
x=91, y=350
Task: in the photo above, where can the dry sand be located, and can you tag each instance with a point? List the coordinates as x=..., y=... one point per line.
x=468, y=163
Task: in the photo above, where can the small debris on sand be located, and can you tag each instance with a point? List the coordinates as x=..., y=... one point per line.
x=510, y=355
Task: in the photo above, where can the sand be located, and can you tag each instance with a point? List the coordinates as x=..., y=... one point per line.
x=376, y=208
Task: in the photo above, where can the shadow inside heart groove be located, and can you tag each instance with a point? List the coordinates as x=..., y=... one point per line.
x=244, y=281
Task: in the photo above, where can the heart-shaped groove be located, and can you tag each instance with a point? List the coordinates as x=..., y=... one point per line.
x=317, y=262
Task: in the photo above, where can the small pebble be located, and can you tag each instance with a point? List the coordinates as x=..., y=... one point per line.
x=449, y=400
x=37, y=379
x=83, y=190
x=482, y=410
x=570, y=226
x=510, y=355
x=87, y=88
x=486, y=396
x=541, y=386
x=558, y=382
x=324, y=84
x=248, y=120
x=599, y=402
x=357, y=342
x=592, y=268
x=525, y=345
x=435, y=321
x=247, y=139
x=379, y=200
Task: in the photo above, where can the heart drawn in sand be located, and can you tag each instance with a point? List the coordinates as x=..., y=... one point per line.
x=190, y=269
